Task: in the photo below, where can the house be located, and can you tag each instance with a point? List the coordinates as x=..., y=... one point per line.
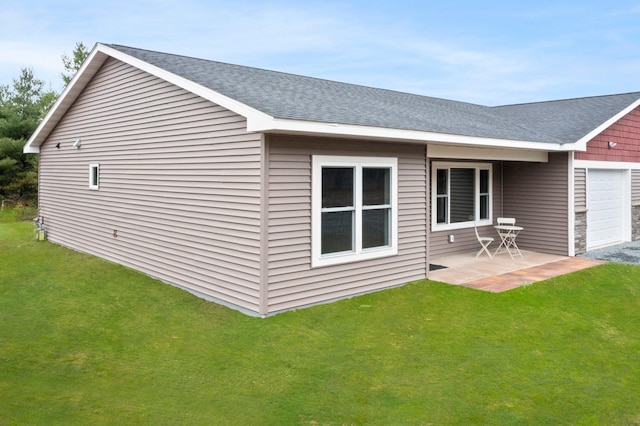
x=267, y=191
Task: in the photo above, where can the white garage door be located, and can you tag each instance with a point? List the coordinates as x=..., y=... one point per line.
x=606, y=213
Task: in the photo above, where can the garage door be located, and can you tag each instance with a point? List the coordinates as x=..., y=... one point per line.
x=606, y=191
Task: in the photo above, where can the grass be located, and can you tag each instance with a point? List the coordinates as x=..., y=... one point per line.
x=14, y=212
x=84, y=341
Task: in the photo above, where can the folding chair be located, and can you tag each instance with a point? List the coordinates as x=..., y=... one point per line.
x=484, y=242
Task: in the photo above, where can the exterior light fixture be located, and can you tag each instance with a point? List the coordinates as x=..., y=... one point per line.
x=612, y=144
x=77, y=143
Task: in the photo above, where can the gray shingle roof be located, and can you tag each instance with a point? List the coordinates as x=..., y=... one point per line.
x=568, y=120
x=290, y=96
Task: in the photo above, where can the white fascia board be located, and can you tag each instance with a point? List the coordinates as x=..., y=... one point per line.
x=195, y=88
x=581, y=144
x=90, y=66
x=287, y=126
x=594, y=164
x=475, y=153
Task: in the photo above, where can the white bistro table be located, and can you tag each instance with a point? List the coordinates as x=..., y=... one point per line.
x=508, y=234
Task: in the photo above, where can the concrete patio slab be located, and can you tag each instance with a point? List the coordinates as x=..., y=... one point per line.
x=503, y=273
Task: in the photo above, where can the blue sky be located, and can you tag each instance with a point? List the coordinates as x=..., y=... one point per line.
x=492, y=53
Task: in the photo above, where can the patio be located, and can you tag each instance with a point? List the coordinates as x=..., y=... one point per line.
x=503, y=273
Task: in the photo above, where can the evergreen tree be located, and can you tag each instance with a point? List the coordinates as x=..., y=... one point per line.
x=73, y=64
x=22, y=106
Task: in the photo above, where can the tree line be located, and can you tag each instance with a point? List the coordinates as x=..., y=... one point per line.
x=23, y=104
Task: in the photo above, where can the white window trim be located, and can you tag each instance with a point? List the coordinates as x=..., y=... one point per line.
x=359, y=254
x=92, y=167
x=435, y=226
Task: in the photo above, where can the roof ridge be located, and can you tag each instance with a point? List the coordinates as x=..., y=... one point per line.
x=298, y=75
x=576, y=98
x=285, y=95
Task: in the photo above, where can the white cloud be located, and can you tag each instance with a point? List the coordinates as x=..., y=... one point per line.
x=43, y=59
x=366, y=43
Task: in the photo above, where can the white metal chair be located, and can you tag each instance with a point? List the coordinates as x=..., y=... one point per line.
x=508, y=236
x=484, y=242
x=507, y=221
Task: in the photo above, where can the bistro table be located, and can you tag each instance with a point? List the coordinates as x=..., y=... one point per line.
x=508, y=234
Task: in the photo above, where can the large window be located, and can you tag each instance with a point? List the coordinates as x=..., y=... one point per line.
x=461, y=195
x=354, y=205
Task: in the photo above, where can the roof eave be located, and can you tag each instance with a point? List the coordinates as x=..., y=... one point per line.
x=258, y=121
x=303, y=127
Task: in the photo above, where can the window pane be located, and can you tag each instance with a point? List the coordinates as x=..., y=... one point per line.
x=337, y=232
x=484, y=181
x=94, y=176
x=442, y=181
x=375, y=186
x=441, y=210
x=484, y=207
x=462, y=193
x=337, y=187
x=375, y=228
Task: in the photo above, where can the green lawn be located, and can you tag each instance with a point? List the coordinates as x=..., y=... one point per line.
x=84, y=341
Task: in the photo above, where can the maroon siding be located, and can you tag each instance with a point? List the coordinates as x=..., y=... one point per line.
x=625, y=133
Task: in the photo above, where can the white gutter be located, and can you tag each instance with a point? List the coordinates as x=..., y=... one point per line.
x=269, y=124
x=258, y=121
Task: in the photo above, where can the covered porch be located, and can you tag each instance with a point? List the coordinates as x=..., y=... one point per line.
x=503, y=273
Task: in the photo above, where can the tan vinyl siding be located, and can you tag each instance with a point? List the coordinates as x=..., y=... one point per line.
x=465, y=239
x=580, y=189
x=635, y=187
x=536, y=194
x=179, y=184
x=292, y=281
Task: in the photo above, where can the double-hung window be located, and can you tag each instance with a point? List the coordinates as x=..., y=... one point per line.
x=354, y=209
x=461, y=195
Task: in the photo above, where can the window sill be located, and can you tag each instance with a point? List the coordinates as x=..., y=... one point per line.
x=342, y=258
x=461, y=225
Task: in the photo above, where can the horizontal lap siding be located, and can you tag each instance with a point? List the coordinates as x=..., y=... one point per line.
x=635, y=187
x=536, y=194
x=179, y=184
x=292, y=281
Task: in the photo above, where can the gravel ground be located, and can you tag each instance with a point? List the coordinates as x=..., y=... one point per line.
x=621, y=253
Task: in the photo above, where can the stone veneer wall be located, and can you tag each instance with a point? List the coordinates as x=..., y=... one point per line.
x=635, y=223
x=581, y=231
